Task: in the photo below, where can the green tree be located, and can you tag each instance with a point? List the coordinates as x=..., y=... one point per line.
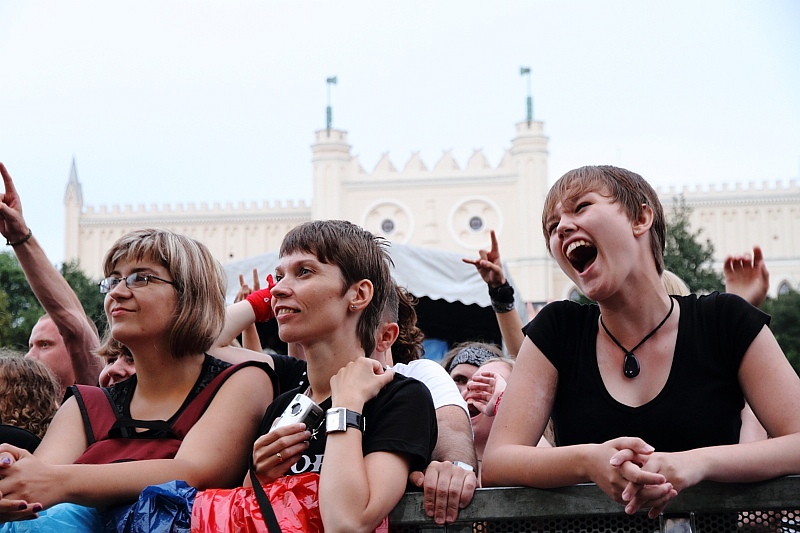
x=21, y=305
x=785, y=311
x=19, y=308
x=88, y=293
x=686, y=255
x=5, y=319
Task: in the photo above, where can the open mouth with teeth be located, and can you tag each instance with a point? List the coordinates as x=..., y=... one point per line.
x=473, y=411
x=581, y=255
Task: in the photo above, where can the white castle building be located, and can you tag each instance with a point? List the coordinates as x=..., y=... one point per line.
x=445, y=207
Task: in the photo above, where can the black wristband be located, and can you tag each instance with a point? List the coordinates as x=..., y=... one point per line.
x=502, y=298
x=22, y=240
x=501, y=308
x=503, y=294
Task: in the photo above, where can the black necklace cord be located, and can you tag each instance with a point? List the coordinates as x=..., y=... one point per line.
x=630, y=366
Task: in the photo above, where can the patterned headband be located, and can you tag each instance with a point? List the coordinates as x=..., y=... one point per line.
x=471, y=355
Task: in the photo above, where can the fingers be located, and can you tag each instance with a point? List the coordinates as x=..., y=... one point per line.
x=632, y=443
x=654, y=497
x=659, y=506
x=758, y=255
x=448, y=488
x=635, y=474
x=7, y=181
x=416, y=478
x=625, y=455
x=276, y=452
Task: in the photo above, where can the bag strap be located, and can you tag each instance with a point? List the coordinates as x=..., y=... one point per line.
x=263, y=502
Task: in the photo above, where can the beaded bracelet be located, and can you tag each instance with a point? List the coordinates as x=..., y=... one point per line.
x=22, y=240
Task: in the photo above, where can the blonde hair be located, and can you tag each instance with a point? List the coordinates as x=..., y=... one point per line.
x=674, y=284
x=197, y=276
x=28, y=394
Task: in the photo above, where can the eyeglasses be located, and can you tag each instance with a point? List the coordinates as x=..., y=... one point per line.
x=134, y=281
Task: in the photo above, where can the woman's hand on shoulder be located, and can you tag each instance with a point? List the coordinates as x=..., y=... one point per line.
x=277, y=451
x=358, y=382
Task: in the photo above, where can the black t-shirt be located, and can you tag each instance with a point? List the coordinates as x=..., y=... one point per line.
x=400, y=419
x=291, y=372
x=701, y=402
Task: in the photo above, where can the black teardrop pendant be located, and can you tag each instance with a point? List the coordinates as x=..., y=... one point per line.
x=630, y=367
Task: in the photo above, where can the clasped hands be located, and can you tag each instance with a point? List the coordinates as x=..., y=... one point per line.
x=637, y=476
x=14, y=504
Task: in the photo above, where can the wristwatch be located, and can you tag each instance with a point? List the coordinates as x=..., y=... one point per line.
x=339, y=419
x=465, y=466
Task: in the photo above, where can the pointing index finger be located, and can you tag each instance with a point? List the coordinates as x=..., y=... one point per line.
x=7, y=181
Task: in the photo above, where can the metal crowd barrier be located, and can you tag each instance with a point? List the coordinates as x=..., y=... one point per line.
x=770, y=506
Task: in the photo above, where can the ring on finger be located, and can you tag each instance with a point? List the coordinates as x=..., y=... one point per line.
x=279, y=456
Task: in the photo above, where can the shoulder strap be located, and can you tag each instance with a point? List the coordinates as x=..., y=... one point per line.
x=97, y=411
x=263, y=503
x=198, y=406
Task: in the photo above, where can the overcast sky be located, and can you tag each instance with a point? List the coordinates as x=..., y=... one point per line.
x=168, y=102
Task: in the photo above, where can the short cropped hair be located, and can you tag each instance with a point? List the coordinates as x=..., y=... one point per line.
x=29, y=394
x=198, y=279
x=359, y=255
x=400, y=309
x=627, y=188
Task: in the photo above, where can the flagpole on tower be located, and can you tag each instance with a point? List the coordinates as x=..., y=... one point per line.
x=329, y=110
x=522, y=72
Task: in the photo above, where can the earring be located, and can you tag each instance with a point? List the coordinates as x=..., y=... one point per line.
x=353, y=307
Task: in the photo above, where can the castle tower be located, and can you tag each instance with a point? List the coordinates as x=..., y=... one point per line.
x=531, y=262
x=331, y=160
x=73, y=205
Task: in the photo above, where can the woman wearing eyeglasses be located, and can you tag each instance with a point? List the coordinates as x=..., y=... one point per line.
x=172, y=419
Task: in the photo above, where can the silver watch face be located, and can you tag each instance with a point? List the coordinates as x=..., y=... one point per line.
x=334, y=421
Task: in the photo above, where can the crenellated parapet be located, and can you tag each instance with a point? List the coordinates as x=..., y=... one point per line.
x=448, y=203
x=266, y=207
x=707, y=194
x=231, y=230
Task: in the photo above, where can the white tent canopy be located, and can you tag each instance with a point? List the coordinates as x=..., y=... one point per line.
x=424, y=272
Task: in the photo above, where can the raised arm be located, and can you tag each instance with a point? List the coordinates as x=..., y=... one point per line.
x=491, y=270
x=746, y=275
x=51, y=289
x=238, y=317
x=250, y=338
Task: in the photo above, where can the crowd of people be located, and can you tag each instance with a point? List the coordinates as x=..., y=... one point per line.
x=647, y=391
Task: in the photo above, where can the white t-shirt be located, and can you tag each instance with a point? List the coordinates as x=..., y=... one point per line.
x=443, y=389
